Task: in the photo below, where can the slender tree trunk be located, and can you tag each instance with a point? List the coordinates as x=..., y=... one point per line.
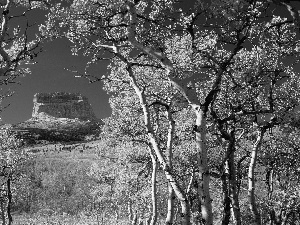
x=239, y=173
x=130, y=212
x=269, y=182
x=204, y=177
x=154, y=191
x=134, y=219
x=251, y=178
x=190, y=94
x=9, y=201
x=226, y=198
x=148, y=221
x=194, y=200
x=170, y=212
x=188, y=191
x=189, y=187
x=171, y=194
x=233, y=183
x=3, y=212
x=185, y=210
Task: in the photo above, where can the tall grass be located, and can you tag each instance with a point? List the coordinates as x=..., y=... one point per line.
x=65, y=219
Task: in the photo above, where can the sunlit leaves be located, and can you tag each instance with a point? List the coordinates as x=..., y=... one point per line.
x=19, y=42
x=11, y=154
x=229, y=54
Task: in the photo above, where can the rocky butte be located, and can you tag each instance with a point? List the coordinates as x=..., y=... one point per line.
x=62, y=105
x=60, y=116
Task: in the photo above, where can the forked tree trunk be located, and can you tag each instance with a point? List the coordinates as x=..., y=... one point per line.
x=193, y=100
x=192, y=97
x=185, y=210
x=204, y=177
x=251, y=178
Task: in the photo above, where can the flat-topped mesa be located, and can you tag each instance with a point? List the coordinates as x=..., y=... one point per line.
x=62, y=105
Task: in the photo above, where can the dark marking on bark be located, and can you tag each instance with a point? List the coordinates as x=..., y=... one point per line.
x=195, y=128
x=5, y=12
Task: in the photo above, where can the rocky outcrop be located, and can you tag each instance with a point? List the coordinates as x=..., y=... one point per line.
x=62, y=105
x=59, y=117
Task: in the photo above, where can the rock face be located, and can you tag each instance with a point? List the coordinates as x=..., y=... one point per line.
x=62, y=105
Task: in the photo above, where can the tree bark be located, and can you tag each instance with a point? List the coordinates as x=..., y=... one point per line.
x=269, y=181
x=233, y=182
x=171, y=195
x=204, y=177
x=134, y=219
x=154, y=191
x=226, y=198
x=191, y=96
x=3, y=212
x=251, y=178
x=130, y=212
x=9, y=201
x=170, y=212
x=185, y=210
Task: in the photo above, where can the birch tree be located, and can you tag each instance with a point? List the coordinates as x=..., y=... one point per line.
x=280, y=158
x=125, y=126
x=261, y=89
x=159, y=116
x=208, y=38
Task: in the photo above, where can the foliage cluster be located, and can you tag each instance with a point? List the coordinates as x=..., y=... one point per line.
x=203, y=98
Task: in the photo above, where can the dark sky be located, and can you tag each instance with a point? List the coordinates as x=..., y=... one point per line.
x=49, y=75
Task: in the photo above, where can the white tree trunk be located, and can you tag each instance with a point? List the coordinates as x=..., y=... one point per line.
x=233, y=184
x=185, y=211
x=204, y=177
x=129, y=210
x=251, y=179
x=171, y=195
x=154, y=188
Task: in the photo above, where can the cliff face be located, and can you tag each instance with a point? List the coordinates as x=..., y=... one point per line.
x=62, y=105
x=59, y=117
